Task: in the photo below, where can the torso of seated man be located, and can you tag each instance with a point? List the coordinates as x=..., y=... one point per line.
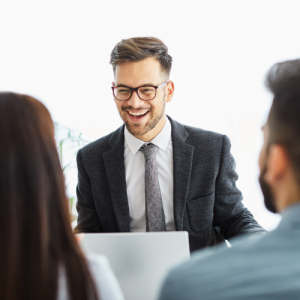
x=153, y=173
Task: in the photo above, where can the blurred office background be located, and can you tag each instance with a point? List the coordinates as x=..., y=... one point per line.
x=59, y=51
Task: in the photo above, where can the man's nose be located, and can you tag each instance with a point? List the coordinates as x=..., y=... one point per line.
x=135, y=101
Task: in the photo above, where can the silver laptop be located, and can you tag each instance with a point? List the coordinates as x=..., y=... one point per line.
x=140, y=261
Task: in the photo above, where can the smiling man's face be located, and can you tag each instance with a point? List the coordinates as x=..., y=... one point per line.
x=141, y=117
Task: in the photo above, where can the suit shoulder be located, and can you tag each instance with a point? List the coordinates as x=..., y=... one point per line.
x=200, y=137
x=199, y=132
x=101, y=145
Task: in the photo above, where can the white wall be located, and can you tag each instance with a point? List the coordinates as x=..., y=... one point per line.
x=58, y=51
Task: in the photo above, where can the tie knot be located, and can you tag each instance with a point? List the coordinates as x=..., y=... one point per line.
x=149, y=151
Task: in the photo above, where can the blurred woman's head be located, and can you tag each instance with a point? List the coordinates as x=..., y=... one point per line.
x=35, y=235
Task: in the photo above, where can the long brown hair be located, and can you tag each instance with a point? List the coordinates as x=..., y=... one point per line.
x=36, y=239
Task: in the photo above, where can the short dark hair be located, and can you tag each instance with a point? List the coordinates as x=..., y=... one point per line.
x=139, y=48
x=283, y=80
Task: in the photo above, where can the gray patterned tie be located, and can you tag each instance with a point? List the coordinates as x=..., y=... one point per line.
x=155, y=217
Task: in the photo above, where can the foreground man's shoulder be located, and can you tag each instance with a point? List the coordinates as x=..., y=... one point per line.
x=197, y=278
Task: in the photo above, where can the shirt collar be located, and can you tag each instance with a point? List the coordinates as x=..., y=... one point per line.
x=161, y=140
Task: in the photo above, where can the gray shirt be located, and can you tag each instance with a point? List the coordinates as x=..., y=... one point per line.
x=106, y=283
x=264, y=267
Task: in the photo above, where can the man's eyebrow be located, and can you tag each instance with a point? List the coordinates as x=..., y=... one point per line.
x=119, y=85
x=145, y=84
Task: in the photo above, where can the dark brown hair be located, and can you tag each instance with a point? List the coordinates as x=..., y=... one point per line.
x=139, y=48
x=283, y=80
x=35, y=234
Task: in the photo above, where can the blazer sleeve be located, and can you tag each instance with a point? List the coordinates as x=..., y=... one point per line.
x=230, y=215
x=88, y=220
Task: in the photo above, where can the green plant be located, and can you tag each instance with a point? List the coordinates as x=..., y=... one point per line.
x=67, y=137
x=68, y=142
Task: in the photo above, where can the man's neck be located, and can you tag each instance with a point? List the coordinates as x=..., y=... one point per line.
x=149, y=136
x=287, y=195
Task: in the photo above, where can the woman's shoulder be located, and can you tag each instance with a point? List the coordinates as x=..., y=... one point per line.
x=98, y=265
x=94, y=260
x=104, y=278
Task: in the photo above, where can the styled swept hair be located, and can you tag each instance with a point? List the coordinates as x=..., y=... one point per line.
x=139, y=48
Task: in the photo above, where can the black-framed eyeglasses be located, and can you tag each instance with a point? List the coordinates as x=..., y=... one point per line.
x=146, y=93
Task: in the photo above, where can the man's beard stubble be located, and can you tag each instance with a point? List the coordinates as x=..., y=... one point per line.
x=134, y=128
x=267, y=192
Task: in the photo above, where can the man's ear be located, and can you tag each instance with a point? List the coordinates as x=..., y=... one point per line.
x=170, y=91
x=277, y=164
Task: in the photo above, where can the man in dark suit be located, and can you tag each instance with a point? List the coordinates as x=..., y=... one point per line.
x=153, y=173
x=266, y=266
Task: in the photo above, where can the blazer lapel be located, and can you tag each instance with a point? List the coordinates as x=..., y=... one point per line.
x=182, y=161
x=115, y=171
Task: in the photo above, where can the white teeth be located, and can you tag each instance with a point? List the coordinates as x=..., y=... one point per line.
x=137, y=113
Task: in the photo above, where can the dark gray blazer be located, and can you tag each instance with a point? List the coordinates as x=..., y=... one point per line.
x=265, y=267
x=207, y=203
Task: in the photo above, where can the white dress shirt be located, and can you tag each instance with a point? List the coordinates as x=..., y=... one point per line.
x=135, y=177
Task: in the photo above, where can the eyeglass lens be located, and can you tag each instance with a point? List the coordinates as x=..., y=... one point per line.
x=145, y=92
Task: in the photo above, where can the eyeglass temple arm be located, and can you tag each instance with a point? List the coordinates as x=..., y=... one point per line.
x=164, y=83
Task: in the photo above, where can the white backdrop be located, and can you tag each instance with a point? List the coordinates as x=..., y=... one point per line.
x=58, y=51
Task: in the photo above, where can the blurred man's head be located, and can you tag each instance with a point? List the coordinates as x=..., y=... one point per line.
x=142, y=63
x=280, y=156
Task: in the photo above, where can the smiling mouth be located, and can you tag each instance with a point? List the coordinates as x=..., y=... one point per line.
x=137, y=115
